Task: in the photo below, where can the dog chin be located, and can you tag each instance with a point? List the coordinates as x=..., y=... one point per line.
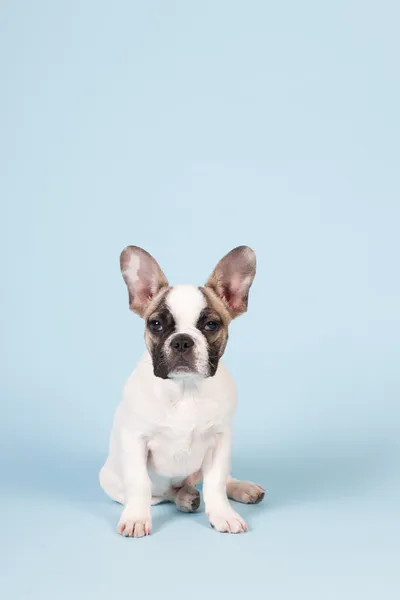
x=184, y=373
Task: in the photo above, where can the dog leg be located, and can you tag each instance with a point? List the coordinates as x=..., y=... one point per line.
x=135, y=519
x=215, y=474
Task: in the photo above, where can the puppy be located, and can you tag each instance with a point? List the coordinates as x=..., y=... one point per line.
x=172, y=428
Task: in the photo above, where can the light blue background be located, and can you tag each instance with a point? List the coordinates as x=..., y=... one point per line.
x=189, y=128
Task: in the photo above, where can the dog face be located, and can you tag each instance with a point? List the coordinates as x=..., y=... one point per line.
x=187, y=326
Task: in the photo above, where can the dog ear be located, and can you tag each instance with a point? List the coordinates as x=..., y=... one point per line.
x=142, y=276
x=232, y=278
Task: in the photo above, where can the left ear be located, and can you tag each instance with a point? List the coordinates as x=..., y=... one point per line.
x=232, y=278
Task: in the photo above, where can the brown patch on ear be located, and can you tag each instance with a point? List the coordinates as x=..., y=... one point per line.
x=232, y=278
x=143, y=277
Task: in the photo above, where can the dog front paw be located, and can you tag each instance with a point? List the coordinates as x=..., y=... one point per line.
x=227, y=522
x=134, y=526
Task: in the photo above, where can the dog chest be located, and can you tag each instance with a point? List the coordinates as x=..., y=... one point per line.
x=178, y=445
x=180, y=456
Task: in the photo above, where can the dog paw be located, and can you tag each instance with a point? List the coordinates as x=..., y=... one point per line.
x=136, y=527
x=245, y=492
x=228, y=522
x=188, y=499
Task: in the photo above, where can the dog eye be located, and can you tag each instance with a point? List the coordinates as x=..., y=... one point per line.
x=155, y=326
x=211, y=326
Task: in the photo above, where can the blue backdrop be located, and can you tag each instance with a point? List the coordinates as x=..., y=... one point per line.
x=189, y=128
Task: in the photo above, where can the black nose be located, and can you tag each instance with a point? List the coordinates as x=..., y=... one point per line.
x=182, y=343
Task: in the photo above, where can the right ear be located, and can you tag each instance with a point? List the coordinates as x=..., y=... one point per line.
x=142, y=276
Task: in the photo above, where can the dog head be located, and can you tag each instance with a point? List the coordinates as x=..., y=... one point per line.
x=187, y=326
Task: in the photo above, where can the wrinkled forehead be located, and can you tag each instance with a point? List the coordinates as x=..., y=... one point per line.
x=185, y=302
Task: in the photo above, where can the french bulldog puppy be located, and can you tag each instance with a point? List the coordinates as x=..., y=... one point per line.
x=172, y=429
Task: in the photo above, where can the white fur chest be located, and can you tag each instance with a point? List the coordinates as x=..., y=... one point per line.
x=180, y=420
x=178, y=445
